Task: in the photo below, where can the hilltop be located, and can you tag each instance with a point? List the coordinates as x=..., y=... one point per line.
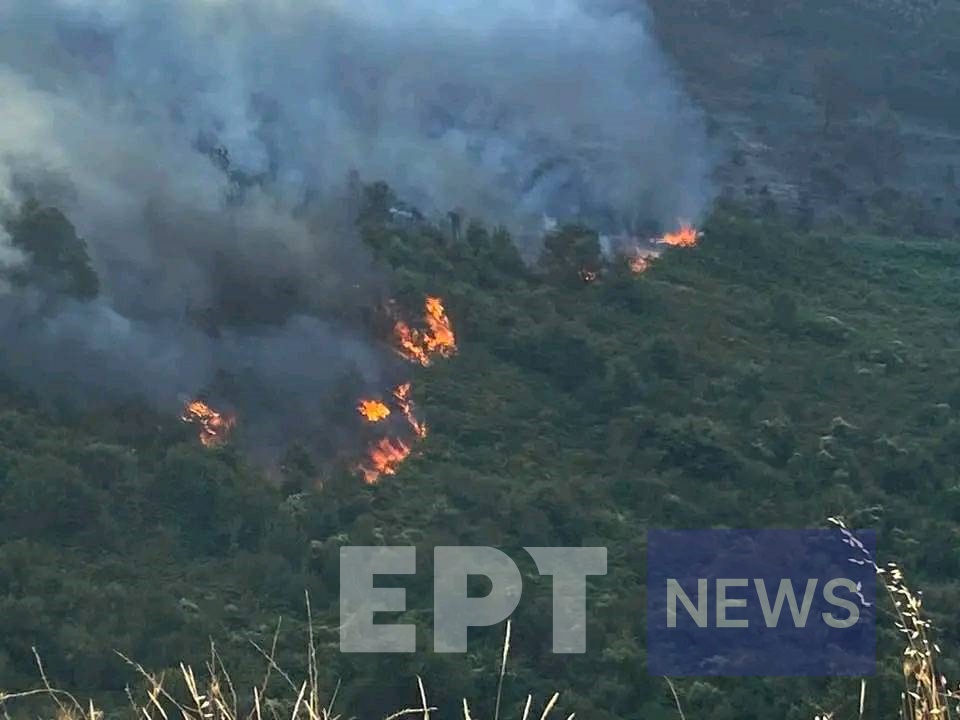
x=830, y=108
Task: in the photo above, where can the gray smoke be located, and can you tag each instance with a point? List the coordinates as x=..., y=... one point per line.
x=507, y=108
x=201, y=148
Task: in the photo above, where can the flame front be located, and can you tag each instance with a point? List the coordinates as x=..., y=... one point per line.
x=421, y=346
x=441, y=339
x=640, y=255
x=402, y=396
x=373, y=410
x=215, y=428
x=385, y=457
x=387, y=454
x=639, y=262
x=686, y=236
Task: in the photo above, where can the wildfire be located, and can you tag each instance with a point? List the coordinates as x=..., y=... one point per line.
x=686, y=236
x=387, y=454
x=639, y=261
x=384, y=459
x=441, y=339
x=422, y=346
x=373, y=410
x=639, y=264
x=435, y=339
x=215, y=428
x=402, y=395
x=588, y=276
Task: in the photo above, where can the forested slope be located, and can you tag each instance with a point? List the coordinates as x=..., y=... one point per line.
x=763, y=378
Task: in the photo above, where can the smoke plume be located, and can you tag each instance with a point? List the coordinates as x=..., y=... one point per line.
x=201, y=148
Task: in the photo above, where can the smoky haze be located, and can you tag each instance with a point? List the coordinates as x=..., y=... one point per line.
x=201, y=149
x=507, y=108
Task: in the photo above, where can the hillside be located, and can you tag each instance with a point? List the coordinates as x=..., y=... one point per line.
x=831, y=108
x=764, y=378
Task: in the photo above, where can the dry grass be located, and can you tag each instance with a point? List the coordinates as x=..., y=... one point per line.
x=211, y=695
x=927, y=694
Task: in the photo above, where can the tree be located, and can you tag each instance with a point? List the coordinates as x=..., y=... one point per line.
x=572, y=253
x=784, y=312
x=47, y=498
x=504, y=252
x=58, y=256
x=879, y=144
x=375, y=205
x=833, y=90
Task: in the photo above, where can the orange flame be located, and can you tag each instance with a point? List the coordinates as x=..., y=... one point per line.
x=373, y=410
x=388, y=453
x=438, y=339
x=385, y=457
x=215, y=428
x=402, y=396
x=639, y=262
x=441, y=339
x=686, y=236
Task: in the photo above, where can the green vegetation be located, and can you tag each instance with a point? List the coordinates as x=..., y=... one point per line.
x=58, y=257
x=820, y=123
x=766, y=378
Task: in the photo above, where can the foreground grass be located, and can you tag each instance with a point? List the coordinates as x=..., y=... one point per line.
x=212, y=695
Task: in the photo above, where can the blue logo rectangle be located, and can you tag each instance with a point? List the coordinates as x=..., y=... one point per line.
x=760, y=602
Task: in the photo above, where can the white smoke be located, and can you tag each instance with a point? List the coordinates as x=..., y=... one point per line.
x=506, y=108
x=200, y=146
